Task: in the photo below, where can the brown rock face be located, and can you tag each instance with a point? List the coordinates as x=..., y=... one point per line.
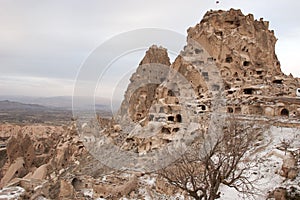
x=279, y=194
x=156, y=55
x=22, y=146
x=231, y=37
x=15, y=170
x=140, y=101
x=244, y=51
x=139, y=96
x=289, y=168
x=66, y=190
x=191, y=73
x=116, y=191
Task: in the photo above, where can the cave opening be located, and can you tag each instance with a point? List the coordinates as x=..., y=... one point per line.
x=171, y=118
x=278, y=81
x=246, y=63
x=178, y=118
x=248, y=91
x=284, y=112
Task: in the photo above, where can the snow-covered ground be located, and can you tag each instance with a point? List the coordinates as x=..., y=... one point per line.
x=267, y=162
x=11, y=193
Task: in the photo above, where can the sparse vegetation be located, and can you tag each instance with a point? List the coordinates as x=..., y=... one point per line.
x=219, y=162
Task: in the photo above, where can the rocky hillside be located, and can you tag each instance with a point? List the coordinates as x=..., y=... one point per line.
x=228, y=67
x=244, y=51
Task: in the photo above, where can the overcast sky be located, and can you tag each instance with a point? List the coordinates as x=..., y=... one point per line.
x=44, y=42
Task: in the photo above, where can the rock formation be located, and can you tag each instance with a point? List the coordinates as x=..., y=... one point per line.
x=227, y=54
x=244, y=51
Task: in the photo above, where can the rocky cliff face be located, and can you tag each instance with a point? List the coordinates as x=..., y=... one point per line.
x=162, y=100
x=228, y=56
x=140, y=95
x=244, y=51
x=238, y=42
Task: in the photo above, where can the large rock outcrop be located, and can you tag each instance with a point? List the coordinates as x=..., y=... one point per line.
x=228, y=56
x=244, y=51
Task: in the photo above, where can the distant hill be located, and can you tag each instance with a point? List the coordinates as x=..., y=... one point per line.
x=51, y=112
x=11, y=105
x=58, y=102
x=16, y=112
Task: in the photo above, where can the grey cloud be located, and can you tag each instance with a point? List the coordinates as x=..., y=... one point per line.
x=51, y=38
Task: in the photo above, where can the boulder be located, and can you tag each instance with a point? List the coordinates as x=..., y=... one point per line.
x=16, y=169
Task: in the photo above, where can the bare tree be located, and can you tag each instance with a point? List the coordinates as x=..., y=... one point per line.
x=219, y=162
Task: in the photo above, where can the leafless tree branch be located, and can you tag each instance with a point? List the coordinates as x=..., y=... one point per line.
x=201, y=176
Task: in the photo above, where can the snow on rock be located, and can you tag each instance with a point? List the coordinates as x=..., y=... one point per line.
x=11, y=193
x=88, y=193
x=268, y=162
